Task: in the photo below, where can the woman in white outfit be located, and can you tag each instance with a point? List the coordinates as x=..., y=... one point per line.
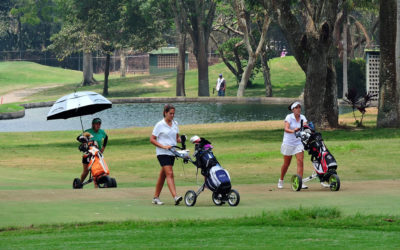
x=292, y=145
x=164, y=137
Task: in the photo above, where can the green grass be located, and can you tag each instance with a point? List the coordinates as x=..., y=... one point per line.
x=287, y=79
x=290, y=229
x=20, y=75
x=38, y=207
x=10, y=107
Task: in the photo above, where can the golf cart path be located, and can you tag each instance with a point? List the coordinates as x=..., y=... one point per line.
x=264, y=191
x=21, y=94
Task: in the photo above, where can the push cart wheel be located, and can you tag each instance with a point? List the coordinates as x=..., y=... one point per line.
x=334, y=182
x=113, y=183
x=297, y=182
x=233, y=198
x=105, y=182
x=217, y=199
x=190, y=198
x=77, y=184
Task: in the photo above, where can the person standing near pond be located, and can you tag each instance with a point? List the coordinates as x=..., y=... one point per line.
x=292, y=145
x=101, y=139
x=166, y=135
x=221, y=85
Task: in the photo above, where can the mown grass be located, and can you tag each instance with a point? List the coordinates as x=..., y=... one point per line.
x=23, y=74
x=287, y=79
x=250, y=150
x=292, y=229
x=10, y=107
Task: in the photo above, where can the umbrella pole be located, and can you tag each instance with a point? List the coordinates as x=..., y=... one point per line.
x=80, y=117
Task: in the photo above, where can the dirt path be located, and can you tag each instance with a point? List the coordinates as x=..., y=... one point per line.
x=20, y=95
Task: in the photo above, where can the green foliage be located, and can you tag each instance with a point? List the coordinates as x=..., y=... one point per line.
x=356, y=76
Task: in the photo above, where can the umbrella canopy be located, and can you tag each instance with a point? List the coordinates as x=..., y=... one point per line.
x=78, y=104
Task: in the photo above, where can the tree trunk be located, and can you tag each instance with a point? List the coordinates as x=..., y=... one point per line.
x=122, y=67
x=198, y=17
x=181, y=41
x=246, y=75
x=344, y=41
x=312, y=45
x=180, y=74
x=388, y=114
x=87, y=69
x=314, y=90
x=106, y=73
x=253, y=48
x=331, y=101
x=202, y=66
x=398, y=55
x=266, y=74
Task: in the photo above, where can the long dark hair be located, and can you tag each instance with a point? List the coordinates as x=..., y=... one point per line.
x=167, y=108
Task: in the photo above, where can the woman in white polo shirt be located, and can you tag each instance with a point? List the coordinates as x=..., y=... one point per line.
x=164, y=136
x=292, y=145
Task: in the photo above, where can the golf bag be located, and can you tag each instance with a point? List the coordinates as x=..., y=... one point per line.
x=98, y=169
x=217, y=178
x=321, y=158
x=323, y=161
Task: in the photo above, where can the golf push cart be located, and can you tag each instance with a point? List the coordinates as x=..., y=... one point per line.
x=98, y=169
x=216, y=178
x=323, y=161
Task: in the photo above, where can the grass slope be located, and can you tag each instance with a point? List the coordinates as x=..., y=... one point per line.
x=20, y=75
x=287, y=80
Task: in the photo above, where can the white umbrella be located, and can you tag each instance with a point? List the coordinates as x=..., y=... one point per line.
x=78, y=104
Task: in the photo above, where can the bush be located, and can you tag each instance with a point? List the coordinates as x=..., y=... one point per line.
x=356, y=76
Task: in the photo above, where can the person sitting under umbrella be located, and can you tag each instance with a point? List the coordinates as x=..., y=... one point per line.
x=100, y=137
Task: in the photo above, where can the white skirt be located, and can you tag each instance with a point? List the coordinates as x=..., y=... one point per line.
x=291, y=150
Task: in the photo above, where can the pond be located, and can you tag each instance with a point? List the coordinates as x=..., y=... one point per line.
x=148, y=114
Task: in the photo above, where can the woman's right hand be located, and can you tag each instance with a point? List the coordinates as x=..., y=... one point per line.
x=167, y=147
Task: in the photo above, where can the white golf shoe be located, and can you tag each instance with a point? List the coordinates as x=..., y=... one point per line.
x=280, y=184
x=157, y=201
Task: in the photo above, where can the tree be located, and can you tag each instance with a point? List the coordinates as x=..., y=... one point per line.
x=181, y=43
x=388, y=109
x=104, y=18
x=308, y=27
x=199, y=16
x=73, y=38
x=253, y=49
x=230, y=41
x=36, y=21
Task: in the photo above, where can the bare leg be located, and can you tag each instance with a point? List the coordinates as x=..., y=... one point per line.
x=170, y=179
x=85, y=172
x=286, y=162
x=300, y=165
x=160, y=182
